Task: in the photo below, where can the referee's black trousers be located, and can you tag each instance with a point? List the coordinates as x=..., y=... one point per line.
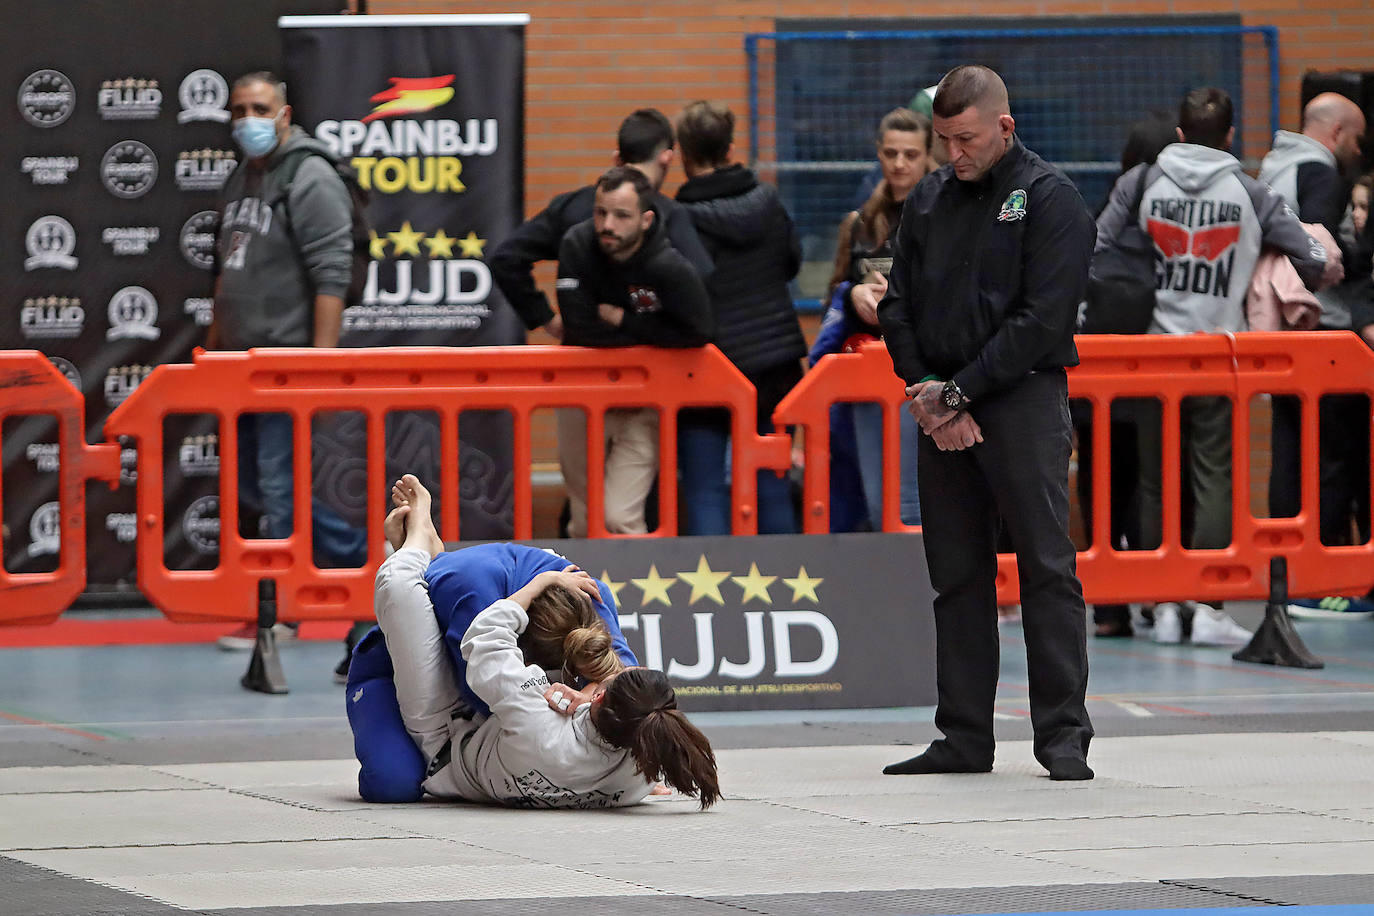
x=1020, y=473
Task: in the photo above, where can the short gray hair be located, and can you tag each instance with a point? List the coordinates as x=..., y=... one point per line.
x=264, y=76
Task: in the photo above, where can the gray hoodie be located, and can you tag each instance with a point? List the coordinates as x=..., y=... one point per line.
x=276, y=254
x=1208, y=220
x=525, y=754
x=1306, y=175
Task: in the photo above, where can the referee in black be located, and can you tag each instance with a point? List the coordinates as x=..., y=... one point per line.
x=991, y=261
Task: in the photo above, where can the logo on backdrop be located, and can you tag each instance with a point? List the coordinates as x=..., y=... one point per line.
x=120, y=382
x=133, y=313
x=128, y=466
x=130, y=240
x=411, y=96
x=46, y=456
x=50, y=242
x=46, y=98
x=419, y=156
x=201, y=310
x=129, y=100
x=204, y=169
x=128, y=169
x=754, y=588
x=53, y=318
x=200, y=524
x=199, y=456
x=66, y=366
x=203, y=95
x=49, y=170
x=198, y=239
x=45, y=530
x=449, y=292
x=124, y=525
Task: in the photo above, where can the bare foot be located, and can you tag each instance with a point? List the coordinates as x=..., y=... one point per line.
x=419, y=523
x=395, y=526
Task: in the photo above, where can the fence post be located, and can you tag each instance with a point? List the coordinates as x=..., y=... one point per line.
x=264, y=669
x=1276, y=642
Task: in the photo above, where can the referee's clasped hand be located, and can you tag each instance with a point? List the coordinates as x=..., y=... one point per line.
x=958, y=434
x=928, y=406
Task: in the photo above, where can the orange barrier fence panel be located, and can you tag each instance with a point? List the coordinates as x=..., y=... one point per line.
x=1169, y=369
x=375, y=382
x=30, y=385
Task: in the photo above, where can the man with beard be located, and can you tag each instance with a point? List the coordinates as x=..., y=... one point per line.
x=620, y=284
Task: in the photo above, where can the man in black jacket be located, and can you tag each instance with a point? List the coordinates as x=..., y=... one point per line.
x=621, y=285
x=644, y=142
x=749, y=236
x=990, y=263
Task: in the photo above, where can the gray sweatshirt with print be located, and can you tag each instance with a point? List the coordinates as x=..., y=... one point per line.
x=277, y=249
x=525, y=754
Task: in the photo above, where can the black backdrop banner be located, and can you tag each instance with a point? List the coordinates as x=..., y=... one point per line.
x=429, y=111
x=111, y=163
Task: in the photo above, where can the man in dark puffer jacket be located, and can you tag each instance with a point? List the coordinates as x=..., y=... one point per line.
x=750, y=238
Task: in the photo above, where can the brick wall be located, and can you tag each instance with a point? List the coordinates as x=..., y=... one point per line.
x=590, y=63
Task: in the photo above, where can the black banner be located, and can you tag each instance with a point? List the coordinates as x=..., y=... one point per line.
x=775, y=622
x=112, y=161
x=429, y=111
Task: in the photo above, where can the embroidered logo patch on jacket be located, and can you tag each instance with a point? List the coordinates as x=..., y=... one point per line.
x=1013, y=208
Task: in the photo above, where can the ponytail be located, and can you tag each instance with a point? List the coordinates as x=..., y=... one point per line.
x=638, y=712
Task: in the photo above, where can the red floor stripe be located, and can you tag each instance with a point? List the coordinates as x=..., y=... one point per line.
x=139, y=631
x=25, y=720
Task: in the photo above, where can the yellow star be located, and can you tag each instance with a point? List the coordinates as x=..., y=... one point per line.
x=377, y=247
x=407, y=241
x=655, y=587
x=804, y=585
x=705, y=582
x=614, y=586
x=440, y=244
x=755, y=585
x=472, y=245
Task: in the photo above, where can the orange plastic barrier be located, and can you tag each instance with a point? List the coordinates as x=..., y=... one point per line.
x=375, y=382
x=30, y=385
x=1169, y=368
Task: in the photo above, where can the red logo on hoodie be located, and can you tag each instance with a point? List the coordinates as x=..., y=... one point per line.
x=1174, y=241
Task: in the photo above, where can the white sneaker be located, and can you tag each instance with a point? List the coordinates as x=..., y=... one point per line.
x=1168, y=627
x=1212, y=627
x=246, y=637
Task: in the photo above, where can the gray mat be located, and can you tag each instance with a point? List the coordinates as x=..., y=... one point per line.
x=915, y=902
x=1299, y=890
x=32, y=891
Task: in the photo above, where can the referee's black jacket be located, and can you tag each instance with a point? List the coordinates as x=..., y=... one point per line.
x=987, y=275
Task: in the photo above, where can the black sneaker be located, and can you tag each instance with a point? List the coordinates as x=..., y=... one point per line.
x=341, y=670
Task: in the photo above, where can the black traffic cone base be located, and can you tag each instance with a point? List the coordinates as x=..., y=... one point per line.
x=1276, y=642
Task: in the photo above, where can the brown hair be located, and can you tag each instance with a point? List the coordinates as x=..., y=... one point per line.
x=969, y=86
x=704, y=132
x=624, y=174
x=565, y=633
x=638, y=712
x=873, y=215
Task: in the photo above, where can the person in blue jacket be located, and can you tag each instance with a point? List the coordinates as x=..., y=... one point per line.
x=462, y=584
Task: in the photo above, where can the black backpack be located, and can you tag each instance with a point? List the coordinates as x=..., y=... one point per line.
x=358, y=198
x=1121, y=279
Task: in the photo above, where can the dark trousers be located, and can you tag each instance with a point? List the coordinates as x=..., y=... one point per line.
x=1020, y=470
x=1124, y=472
x=1342, y=462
